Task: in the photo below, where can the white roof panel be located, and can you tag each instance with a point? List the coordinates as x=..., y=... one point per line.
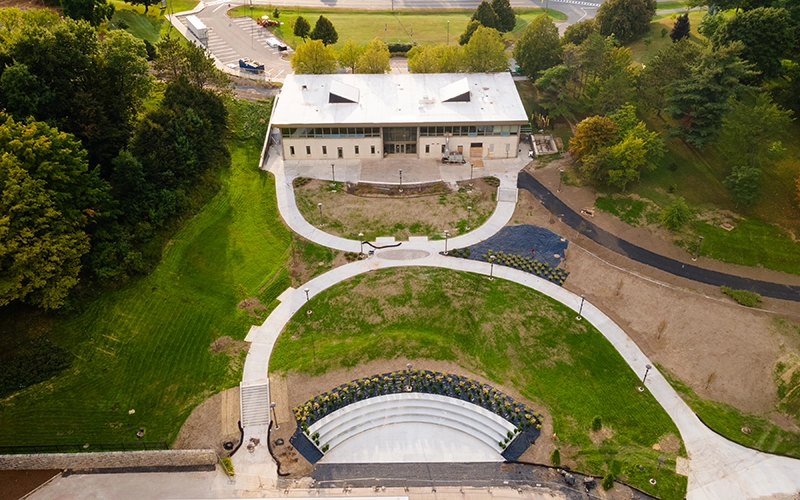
x=399, y=99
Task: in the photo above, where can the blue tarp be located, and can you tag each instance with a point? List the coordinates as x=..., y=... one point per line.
x=525, y=240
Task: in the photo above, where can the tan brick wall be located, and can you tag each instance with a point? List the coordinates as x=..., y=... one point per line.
x=155, y=458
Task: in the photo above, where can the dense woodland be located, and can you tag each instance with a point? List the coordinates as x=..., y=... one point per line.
x=89, y=178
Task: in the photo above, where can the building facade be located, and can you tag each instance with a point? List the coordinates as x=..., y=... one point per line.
x=329, y=117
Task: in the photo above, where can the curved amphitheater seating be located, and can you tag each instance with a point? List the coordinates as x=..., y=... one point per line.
x=410, y=408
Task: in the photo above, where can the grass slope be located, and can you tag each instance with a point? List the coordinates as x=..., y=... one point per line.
x=510, y=333
x=423, y=26
x=146, y=346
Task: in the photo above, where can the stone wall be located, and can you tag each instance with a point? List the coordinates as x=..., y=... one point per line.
x=109, y=460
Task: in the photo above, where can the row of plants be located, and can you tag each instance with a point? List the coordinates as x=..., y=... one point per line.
x=424, y=381
x=543, y=270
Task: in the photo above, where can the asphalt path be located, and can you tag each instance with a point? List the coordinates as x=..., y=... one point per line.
x=591, y=230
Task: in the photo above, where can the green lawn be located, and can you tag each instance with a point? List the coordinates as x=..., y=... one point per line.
x=653, y=42
x=729, y=421
x=151, y=26
x=422, y=26
x=509, y=334
x=146, y=346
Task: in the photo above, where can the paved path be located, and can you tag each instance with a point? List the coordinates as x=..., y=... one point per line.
x=718, y=468
x=639, y=254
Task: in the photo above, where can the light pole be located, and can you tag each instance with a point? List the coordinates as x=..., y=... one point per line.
x=469, y=213
x=697, y=253
x=471, y=167
x=647, y=369
x=400, y=171
x=491, y=267
x=274, y=418
x=333, y=174
x=408, y=378
x=448, y=32
x=361, y=239
x=655, y=476
x=308, y=311
x=560, y=178
x=446, y=236
x=313, y=344
x=319, y=205
x=580, y=310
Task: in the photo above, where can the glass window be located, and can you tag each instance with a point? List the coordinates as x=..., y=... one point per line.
x=324, y=150
x=308, y=150
x=427, y=148
x=291, y=150
x=356, y=148
x=372, y=149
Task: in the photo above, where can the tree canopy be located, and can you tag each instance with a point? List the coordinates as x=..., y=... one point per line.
x=486, y=15
x=766, y=35
x=485, y=52
x=324, y=31
x=375, y=58
x=625, y=19
x=506, y=17
x=539, y=48
x=314, y=57
x=93, y=11
x=681, y=29
x=301, y=27
x=146, y=3
x=349, y=54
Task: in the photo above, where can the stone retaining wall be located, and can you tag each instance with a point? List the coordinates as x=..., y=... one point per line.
x=109, y=460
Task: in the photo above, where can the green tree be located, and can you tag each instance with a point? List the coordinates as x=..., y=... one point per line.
x=681, y=29
x=324, y=31
x=710, y=23
x=743, y=183
x=468, y=32
x=146, y=3
x=578, y=32
x=592, y=135
x=625, y=19
x=766, y=35
x=302, y=28
x=48, y=198
x=671, y=64
x=539, y=47
x=23, y=92
x=314, y=57
x=349, y=54
x=375, y=58
x=699, y=102
x=752, y=131
x=485, y=52
x=94, y=11
x=485, y=15
x=675, y=215
x=506, y=18
x=178, y=60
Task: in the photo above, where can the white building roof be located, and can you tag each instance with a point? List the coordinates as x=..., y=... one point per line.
x=399, y=99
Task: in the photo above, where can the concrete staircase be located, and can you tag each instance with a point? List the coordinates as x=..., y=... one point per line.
x=254, y=404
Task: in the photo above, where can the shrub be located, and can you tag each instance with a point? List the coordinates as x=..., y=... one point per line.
x=227, y=466
x=325, y=448
x=744, y=297
x=608, y=481
x=555, y=457
x=37, y=362
x=301, y=181
x=399, y=48
x=676, y=214
x=597, y=423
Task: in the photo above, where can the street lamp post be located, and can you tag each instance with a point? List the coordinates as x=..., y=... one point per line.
x=400, y=171
x=313, y=344
x=446, y=236
x=491, y=267
x=580, y=310
x=361, y=239
x=469, y=213
x=697, y=253
x=658, y=466
x=471, y=167
x=560, y=178
x=319, y=205
x=448, y=32
x=333, y=174
x=274, y=418
x=647, y=369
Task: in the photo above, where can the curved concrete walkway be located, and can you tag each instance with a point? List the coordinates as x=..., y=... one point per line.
x=718, y=468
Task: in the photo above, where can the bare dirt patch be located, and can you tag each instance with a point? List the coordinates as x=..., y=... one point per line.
x=604, y=433
x=229, y=346
x=374, y=215
x=723, y=351
x=668, y=444
x=309, y=260
x=211, y=424
x=253, y=306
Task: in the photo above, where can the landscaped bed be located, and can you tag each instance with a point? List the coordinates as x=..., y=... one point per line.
x=505, y=334
x=414, y=212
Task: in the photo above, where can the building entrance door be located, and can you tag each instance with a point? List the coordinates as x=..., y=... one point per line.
x=475, y=149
